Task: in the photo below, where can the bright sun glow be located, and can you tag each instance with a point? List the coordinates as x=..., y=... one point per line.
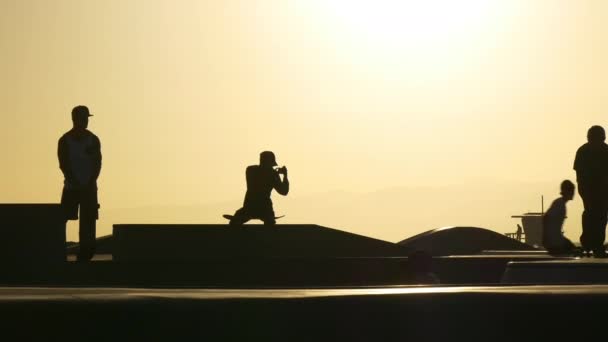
x=395, y=23
x=420, y=40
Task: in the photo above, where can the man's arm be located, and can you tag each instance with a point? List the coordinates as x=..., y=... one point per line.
x=282, y=187
x=63, y=156
x=96, y=159
x=577, y=165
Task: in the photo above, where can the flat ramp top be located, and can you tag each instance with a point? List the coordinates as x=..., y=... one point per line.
x=192, y=242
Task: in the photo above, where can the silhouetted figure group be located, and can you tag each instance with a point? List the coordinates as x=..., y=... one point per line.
x=79, y=154
x=591, y=165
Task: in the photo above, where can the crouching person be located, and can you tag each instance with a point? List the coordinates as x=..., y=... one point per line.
x=553, y=220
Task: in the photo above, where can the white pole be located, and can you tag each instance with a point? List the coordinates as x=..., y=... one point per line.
x=542, y=204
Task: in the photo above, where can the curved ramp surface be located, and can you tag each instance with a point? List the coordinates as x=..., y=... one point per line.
x=462, y=241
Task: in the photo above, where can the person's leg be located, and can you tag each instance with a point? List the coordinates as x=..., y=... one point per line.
x=596, y=230
x=595, y=218
x=89, y=212
x=269, y=221
x=566, y=247
x=69, y=204
x=268, y=217
x=87, y=230
x=69, y=207
x=569, y=245
x=592, y=236
x=586, y=222
x=602, y=221
x=240, y=217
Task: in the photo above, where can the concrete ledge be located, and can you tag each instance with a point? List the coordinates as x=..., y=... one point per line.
x=32, y=233
x=574, y=271
x=368, y=314
x=259, y=272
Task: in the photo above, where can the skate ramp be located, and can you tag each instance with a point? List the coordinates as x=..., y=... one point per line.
x=141, y=242
x=462, y=241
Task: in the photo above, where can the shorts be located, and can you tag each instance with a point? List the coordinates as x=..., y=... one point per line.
x=85, y=199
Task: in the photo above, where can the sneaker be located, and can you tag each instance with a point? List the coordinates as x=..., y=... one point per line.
x=83, y=258
x=578, y=252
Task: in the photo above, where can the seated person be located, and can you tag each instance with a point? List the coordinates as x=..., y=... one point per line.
x=553, y=238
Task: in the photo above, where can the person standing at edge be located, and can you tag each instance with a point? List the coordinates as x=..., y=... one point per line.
x=79, y=153
x=261, y=179
x=591, y=165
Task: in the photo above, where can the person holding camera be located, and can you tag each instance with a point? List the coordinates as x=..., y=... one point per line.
x=261, y=180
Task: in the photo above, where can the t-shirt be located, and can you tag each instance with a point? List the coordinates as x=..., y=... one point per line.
x=591, y=164
x=260, y=182
x=81, y=155
x=553, y=220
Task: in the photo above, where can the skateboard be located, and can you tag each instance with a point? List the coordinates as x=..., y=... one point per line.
x=230, y=217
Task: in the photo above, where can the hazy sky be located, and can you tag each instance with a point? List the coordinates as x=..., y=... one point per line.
x=351, y=95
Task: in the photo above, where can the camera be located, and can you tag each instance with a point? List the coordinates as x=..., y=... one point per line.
x=281, y=170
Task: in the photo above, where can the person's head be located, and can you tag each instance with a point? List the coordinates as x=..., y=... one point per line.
x=80, y=117
x=596, y=134
x=567, y=190
x=267, y=159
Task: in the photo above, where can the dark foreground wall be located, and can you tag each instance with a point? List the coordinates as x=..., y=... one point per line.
x=382, y=314
x=261, y=272
x=31, y=233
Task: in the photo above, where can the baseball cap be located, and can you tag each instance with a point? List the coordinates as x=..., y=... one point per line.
x=81, y=111
x=267, y=157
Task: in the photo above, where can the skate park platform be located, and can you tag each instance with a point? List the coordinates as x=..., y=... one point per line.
x=509, y=313
x=148, y=243
x=264, y=272
x=253, y=255
x=557, y=271
x=32, y=234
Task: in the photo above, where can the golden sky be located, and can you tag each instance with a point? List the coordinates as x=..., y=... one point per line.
x=355, y=96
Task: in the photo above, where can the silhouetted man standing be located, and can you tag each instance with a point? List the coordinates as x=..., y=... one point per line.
x=261, y=179
x=591, y=165
x=79, y=153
